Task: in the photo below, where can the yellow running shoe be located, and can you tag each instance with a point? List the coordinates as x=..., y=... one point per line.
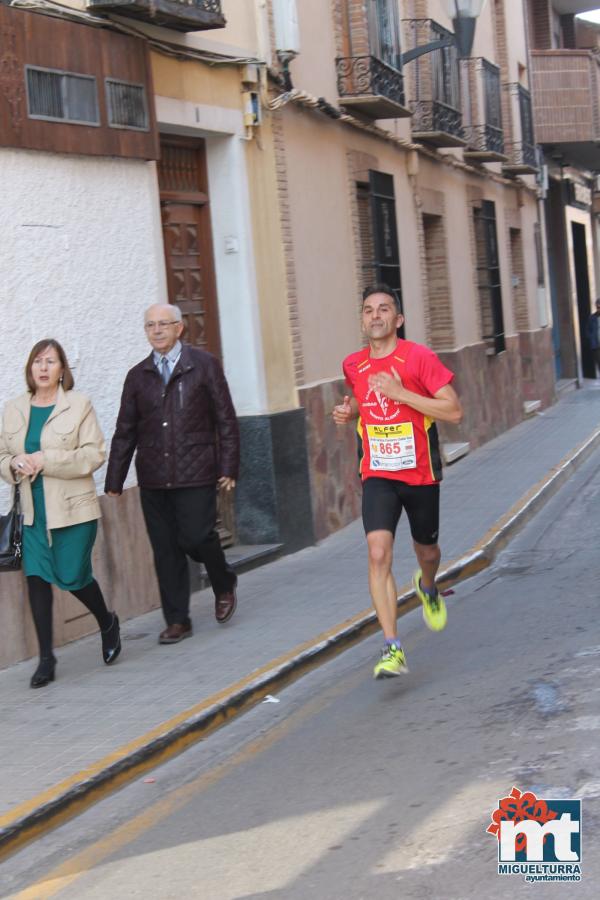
x=391, y=663
x=434, y=608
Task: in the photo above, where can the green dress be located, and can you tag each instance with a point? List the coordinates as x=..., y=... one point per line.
x=67, y=562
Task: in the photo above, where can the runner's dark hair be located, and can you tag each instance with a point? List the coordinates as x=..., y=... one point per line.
x=381, y=288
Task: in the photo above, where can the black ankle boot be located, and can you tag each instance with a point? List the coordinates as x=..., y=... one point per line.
x=44, y=673
x=111, y=641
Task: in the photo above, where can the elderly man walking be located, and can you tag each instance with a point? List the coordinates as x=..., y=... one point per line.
x=176, y=410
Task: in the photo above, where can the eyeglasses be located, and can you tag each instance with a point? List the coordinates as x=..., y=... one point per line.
x=150, y=326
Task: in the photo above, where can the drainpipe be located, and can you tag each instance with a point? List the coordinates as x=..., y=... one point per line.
x=545, y=302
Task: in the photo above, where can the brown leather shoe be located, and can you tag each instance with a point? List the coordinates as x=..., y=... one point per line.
x=175, y=633
x=225, y=605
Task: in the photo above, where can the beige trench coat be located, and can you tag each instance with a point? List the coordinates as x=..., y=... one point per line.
x=73, y=448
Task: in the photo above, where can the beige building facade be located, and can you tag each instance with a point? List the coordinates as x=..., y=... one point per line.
x=429, y=180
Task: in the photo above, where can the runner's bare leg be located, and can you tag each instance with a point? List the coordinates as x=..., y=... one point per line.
x=381, y=547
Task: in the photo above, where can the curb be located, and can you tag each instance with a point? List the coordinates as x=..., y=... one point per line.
x=52, y=808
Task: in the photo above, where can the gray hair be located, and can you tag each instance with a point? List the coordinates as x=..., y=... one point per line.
x=174, y=309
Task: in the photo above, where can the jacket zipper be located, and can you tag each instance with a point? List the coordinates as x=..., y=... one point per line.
x=180, y=388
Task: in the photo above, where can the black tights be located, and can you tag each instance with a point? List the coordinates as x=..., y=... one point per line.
x=40, y=600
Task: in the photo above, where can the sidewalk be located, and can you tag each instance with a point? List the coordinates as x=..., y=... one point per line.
x=50, y=736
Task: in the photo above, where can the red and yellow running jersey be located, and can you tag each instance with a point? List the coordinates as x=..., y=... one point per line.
x=397, y=441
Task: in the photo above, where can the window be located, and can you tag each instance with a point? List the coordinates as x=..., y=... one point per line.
x=380, y=258
x=488, y=276
x=126, y=103
x=526, y=116
x=61, y=96
x=384, y=32
x=493, y=108
x=444, y=70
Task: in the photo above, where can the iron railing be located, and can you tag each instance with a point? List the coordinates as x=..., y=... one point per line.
x=180, y=15
x=485, y=139
x=522, y=154
x=369, y=76
x=435, y=116
x=434, y=91
x=521, y=151
x=483, y=107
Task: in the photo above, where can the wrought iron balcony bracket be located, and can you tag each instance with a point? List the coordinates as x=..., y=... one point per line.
x=427, y=48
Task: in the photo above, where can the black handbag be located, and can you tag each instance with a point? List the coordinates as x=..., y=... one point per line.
x=11, y=536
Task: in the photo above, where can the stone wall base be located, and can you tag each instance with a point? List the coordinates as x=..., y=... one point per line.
x=123, y=567
x=272, y=499
x=493, y=388
x=332, y=458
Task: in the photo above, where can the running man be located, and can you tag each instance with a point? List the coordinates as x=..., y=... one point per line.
x=399, y=388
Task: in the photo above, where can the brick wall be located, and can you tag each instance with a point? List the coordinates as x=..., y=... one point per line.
x=540, y=24
x=501, y=48
x=517, y=272
x=288, y=245
x=440, y=334
x=357, y=27
x=340, y=27
x=359, y=165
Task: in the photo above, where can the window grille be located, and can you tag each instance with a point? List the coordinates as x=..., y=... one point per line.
x=378, y=233
x=58, y=96
x=127, y=106
x=488, y=276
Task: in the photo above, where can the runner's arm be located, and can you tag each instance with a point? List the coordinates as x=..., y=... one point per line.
x=443, y=406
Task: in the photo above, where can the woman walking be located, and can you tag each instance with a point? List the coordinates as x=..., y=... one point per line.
x=50, y=445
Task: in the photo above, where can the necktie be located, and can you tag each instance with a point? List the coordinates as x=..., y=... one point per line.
x=164, y=369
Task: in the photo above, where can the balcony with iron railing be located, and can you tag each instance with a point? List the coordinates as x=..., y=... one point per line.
x=521, y=150
x=370, y=86
x=482, y=100
x=179, y=15
x=433, y=86
x=566, y=102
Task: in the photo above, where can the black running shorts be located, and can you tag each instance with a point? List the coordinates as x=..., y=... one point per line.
x=383, y=501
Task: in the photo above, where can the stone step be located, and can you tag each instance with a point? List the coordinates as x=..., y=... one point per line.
x=531, y=406
x=564, y=385
x=452, y=452
x=242, y=557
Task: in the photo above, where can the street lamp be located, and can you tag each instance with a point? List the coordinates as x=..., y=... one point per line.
x=464, y=15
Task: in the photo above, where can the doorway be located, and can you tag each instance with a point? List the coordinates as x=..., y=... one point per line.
x=582, y=284
x=188, y=246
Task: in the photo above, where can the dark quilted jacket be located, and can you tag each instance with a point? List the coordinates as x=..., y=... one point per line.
x=186, y=435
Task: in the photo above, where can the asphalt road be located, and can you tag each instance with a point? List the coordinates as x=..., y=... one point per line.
x=350, y=788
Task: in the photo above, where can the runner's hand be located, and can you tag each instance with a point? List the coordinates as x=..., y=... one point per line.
x=342, y=413
x=390, y=385
x=226, y=484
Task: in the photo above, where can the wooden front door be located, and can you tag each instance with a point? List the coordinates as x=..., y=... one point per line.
x=187, y=237
x=188, y=241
